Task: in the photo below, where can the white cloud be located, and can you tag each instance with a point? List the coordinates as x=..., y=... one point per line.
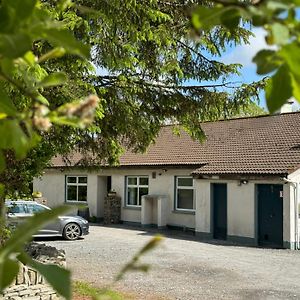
x=244, y=54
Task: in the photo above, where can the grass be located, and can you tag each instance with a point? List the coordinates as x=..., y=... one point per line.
x=84, y=290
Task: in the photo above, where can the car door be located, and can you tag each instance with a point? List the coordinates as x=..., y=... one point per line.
x=16, y=213
x=52, y=228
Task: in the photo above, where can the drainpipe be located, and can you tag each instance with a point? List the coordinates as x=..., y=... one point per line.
x=296, y=203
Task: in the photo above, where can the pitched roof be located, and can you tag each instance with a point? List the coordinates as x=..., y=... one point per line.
x=255, y=145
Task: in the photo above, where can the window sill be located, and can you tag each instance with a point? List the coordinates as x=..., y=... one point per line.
x=132, y=207
x=185, y=212
x=76, y=202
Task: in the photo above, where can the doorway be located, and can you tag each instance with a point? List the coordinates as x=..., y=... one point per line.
x=270, y=214
x=219, y=209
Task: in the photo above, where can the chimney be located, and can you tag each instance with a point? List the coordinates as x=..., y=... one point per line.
x=287, y=107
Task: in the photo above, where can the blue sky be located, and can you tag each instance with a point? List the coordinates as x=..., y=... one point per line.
x=243, y=54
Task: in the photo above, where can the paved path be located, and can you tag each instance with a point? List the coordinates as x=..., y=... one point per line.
x=184, y=268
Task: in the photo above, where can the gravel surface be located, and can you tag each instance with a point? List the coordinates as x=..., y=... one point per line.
x=182, y=267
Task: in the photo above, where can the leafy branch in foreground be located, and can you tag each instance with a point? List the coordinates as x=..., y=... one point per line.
x=134, y=265
x=26, y=113
x=12, y=252
x=282, y=25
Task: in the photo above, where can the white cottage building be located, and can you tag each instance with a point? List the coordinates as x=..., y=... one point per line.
x=241, y=184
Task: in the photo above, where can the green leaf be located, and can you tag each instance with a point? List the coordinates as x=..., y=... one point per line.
x=6, y=105
x=266, y=61
x=54, y=53
x=68, y=121
x=6, y=20
x=290, y=53
x=280, y=34
x=134, y=264
x=296, y=87
x=8, y=271
x=53, y=79
x=30, y=58
x=206, y=18
x=39, y=97
x=64, y=4
x=279, y=89
x=14, y=45
x=16, y=140
x=7, y=66
x=63, y=38
x=59, y=278
x=277, y=5
x=22, y=8
x=230, y=18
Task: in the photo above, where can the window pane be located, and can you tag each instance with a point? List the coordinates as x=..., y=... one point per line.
x=16, y=209
x=185, y=199
x=82, y=193
x=82, y=179
x=132, y=180
x=185, y=181
x=71, y=179
x=34, y=208
x=144, y=181
x=132, y=196
x=143, y=191
x=72, y=193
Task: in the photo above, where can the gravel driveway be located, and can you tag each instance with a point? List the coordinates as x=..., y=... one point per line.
x=182, y=267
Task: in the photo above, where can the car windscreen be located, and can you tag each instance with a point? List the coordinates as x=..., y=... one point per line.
x=16, y=209
x=35, y=208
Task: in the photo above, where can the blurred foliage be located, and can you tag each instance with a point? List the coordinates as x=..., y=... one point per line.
x=25, y=113
x=282, y=25
x=12, y=252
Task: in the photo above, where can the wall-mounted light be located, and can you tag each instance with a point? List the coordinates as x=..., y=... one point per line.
x=162, y=171
x=243, y=181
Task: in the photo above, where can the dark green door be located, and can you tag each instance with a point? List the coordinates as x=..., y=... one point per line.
x=270, y=214
x=219, y=204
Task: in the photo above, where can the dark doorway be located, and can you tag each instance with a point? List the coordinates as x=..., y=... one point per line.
x=219, y=206
x=270, y=214
x=108, y=185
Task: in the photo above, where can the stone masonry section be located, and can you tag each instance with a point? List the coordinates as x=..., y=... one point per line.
x=112, y=209
x=29, y=284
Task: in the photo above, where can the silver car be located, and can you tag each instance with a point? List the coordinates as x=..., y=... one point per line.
x=69, y=227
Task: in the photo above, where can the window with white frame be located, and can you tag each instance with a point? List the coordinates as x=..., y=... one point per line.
x=136, y=187
x=184, y=193
x=76, y=188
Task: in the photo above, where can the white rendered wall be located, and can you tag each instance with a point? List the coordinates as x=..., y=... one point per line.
x=241, y=215
x=52, y=185
x=289, y=229
x=241, y=209
x=203, y=206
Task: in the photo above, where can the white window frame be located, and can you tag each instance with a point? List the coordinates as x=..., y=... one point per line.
x=75, y=184
x=138, y=186
x=184, y=188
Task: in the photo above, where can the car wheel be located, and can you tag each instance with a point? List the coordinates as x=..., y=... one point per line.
x=72, y=231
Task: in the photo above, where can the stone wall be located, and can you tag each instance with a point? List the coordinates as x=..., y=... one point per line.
x=29, y=284
x=112, y=209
